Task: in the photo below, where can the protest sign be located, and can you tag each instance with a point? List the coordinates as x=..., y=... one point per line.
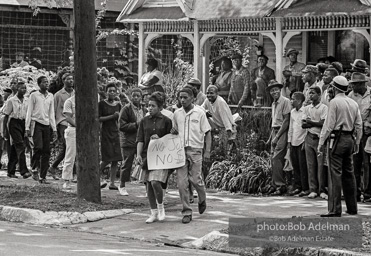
x=165, y=153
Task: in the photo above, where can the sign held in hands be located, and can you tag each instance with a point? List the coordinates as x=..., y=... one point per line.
x=165, y=153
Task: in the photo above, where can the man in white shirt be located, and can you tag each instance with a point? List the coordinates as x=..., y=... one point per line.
x=191, y=124
x=40, y=118
x=295, y=139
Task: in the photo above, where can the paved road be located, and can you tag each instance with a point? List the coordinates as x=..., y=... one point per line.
x=18, y=239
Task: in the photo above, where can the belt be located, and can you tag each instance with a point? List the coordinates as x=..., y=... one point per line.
x=315, y=136
x=343, y=132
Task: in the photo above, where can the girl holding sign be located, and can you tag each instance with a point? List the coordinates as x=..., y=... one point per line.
x=151, y=127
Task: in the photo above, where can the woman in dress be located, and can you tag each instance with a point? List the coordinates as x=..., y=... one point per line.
x=109, y=110
x=223, y=81
x=151, y=127
x=152, y=80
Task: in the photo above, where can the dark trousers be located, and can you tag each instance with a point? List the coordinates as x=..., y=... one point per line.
x=41, y=155
x=299, y=164
x=278, y=160
x=62, y=147
x=361, y=159
x=316, y=176
x=17, y=150
x=128, y=159
x=341, y=175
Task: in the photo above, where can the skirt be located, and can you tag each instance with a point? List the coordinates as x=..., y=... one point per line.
x=155, y=175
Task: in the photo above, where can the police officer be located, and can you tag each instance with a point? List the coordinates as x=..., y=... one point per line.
x=342, y=122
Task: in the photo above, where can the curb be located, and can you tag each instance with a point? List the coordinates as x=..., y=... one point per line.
x=32, y=216
x=216, y=241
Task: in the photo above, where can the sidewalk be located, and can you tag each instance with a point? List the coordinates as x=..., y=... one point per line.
x=220, y=207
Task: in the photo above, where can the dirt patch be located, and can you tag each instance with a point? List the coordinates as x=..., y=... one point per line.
x=48, y=198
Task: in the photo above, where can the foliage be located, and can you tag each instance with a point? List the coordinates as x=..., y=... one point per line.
x=176, y=77
x=29, y=73
x=232, y=45
x=35, y=4
x=247, y=168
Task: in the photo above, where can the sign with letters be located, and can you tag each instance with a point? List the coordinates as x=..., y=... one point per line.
x=165, y=153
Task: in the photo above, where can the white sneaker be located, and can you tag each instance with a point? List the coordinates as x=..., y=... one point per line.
x=123, y=191
x=161, y=212
x=324, y=196
x=153, y=217
x=312, y=195
x=67, y=185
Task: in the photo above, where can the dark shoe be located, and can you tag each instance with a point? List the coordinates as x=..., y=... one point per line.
x=113, y=187
x=103, y=185
x=366, y=196
x=295, y=192
x=13, y=176
x=271, y=190
x=43, y=181
x=35, y=175
x=26, y=175
x=351, y=213
x=53, y=173
x=202, y=207
x=186, y=219
x=330, y=214
x=303, y=193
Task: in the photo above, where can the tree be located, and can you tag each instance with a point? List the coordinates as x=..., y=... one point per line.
x=87, y=130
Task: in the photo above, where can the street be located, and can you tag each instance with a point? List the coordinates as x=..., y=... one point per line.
x=18, y=239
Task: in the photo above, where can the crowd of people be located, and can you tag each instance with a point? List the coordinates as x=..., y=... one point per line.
x=320, y=126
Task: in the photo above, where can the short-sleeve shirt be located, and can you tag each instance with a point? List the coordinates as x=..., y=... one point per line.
x=363, y=101
x=15, y=108
x=70, y=107
x=149, y=75
x=280, y=108
x=150, y=125
x=296, y=134
x=192, y=126
x=59, y=99
x=316, y=114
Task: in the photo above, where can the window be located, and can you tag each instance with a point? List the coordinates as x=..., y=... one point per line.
x=317, y=46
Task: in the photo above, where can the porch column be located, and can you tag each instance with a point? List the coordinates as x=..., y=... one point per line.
x=141, y=51
x=196, y=51
x=279, y=49
x=205, y=66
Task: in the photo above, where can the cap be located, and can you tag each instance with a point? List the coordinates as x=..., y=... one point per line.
x=237, y=56
x=194, y=81
x=291, y=50
x=310, y=68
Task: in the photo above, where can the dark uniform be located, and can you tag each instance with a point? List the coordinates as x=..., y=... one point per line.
x=342, y=122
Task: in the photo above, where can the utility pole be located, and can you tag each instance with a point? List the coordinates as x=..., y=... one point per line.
x=87, y=124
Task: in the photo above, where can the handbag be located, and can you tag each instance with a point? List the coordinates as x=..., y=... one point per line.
x=138, y=173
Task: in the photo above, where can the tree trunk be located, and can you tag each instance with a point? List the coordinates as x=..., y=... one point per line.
x=87, y=130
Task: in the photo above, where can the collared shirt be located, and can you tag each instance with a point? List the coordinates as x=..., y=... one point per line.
x=41, y=110
x=325, y=99
x=222, y=115
x=150, y=125
x=70, y=107
x=192, y=126
x=363, y=101
x=315, y=114
x=342, y=111
x=296, y=134
x=59, y=99
x=240, y=86
x=296, y=77
x=138, y=111
x=15, y=108
x=201, y=97
x=280, y=108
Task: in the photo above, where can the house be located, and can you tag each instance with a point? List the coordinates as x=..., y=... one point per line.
x=48, y=36
x=316, y=28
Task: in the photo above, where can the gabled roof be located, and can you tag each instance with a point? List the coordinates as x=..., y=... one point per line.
x=327, y=7
x=152, y=10
x=112, y=5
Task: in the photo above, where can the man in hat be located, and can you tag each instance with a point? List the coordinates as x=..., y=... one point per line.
x=19, y=57
x=281, y=108
x=260, y=78
x=343, y=120
x=201, y=97
x=361, y=94
x=292, y=73
x=360, y=66
x=239, y=93
x=309, y=77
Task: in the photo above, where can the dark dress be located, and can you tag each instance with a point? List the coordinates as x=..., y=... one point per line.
x=110, y=139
